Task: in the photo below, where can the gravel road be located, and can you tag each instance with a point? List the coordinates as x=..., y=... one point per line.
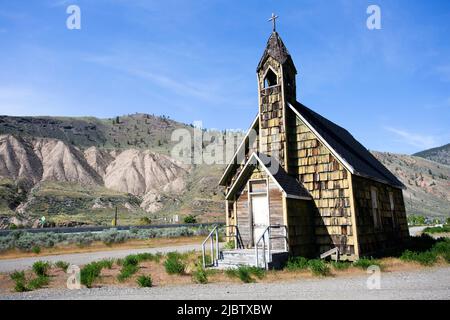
x=432, y=283
x=84, y=258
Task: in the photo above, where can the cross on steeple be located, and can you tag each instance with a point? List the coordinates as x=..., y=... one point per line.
x=273, y=19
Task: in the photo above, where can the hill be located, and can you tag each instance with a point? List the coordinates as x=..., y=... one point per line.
x=78, y=170
x=440, y=154
x=427, y=182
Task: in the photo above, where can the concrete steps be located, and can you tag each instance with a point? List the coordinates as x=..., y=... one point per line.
x=247, y=257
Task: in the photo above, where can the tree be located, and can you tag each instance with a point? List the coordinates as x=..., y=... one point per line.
x=190, y=219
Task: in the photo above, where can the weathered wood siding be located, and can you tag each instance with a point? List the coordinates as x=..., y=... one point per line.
x=328, y=183
x=272, y=106
x=393, y=227
x=300, y=215
x=244, y=215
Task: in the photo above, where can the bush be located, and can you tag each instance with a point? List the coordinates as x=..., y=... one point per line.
x=426, y=258
x=106, y=263
x=174, y=263
x=113, y=236
x=433, y=230
x=62, y=265
x=131, y=260
x=89, y=273
x=297, y=263
x=127, y=271
x=365, y=263
x=148, y=257
x=41, y=268
x=144, y=281
x=318, y=267
x=190, y=219
x=20, y=281
x=36, y=249
x=38, y=282
x=199, y=275
x=244, y=273
x=229, y=245
x=339, y=265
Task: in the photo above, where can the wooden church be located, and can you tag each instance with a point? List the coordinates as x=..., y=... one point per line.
x=301, y=185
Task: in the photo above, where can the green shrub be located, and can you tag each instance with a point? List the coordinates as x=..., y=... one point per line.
x=38, y=282
x=62, y=265
x=230, y=245
x=89, y=273
x=365, y=263
x=41, y=268
x=174, y=263
x=200, y=275
x=190, y=219
x=106, y=263
x=297, y=263
x=127, y=271
x=144, y=281
x=340, y=265
x=244, y=273
x=20, y=281
x=319, y=267
x=434, y=230
x=131, y=260
x=141, y=257
x=426, y=258
x=36, y=249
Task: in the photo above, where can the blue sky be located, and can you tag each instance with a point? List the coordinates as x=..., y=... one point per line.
x=196, y=60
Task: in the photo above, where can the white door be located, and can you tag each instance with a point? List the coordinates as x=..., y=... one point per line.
x=260, y=212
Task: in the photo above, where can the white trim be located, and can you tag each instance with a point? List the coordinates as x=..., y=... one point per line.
x=335, y=154
x=254, y=155
x=237, y=150
x=291, y=196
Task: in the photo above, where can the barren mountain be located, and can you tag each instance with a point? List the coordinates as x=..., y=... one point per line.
x=427, y=183
x=64, y=163
x=440, y=154
x=18, y=160
x=139, y=172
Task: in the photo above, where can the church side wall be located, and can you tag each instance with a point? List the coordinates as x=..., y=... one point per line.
x=328, y=183
x=392, y=227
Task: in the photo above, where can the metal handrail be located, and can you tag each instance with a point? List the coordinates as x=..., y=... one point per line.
x=238, y=243
x=214, y=243
x=213, y=237
x=266, y=252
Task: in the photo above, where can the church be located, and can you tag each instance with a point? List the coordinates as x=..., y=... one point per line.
x=301, y=185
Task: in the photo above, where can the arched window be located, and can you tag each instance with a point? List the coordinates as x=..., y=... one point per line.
x=270, y=79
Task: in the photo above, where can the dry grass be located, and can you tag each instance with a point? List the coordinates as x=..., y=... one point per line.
x=100, y=246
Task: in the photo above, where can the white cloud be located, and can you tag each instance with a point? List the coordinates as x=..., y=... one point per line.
x=419, y=140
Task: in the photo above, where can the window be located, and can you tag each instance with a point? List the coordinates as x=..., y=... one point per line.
x=391, y=201
x=270, y=79
x=374, y=197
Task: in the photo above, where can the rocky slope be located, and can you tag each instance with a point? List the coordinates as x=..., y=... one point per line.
x=427, y=182
x=59, y=178
x=440, y=154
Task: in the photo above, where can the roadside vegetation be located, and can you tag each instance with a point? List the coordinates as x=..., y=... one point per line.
x=34, y=242
x=148, y=270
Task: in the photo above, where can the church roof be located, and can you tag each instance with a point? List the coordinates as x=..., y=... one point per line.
x=287, y=184
x=276, y=49
x=353, y=154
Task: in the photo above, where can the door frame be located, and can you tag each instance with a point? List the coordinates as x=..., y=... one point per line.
x=250, y=209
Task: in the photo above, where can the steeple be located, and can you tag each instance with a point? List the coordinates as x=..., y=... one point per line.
x=276, y=49
x=276, y=83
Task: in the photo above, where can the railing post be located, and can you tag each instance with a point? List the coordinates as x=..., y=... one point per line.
x=203, y=255
x=217, y=245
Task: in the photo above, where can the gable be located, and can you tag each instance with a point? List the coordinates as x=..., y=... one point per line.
x=290, y=187
x=352, y=154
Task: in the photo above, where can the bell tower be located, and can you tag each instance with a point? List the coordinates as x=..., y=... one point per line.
x=276, y=85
